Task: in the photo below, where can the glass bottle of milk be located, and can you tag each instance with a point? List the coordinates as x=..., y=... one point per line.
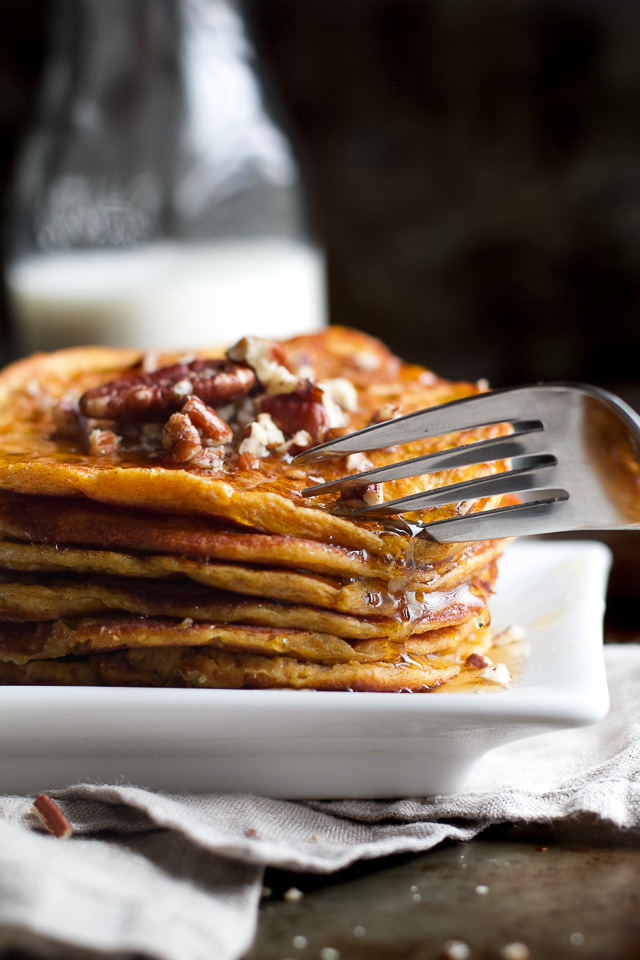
x=159, y=203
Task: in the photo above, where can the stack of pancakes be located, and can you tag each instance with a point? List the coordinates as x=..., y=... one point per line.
x=153, y=530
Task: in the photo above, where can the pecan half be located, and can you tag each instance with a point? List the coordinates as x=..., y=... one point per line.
x=210, y=425
x=181, y=439
x=153, y=396
x=300, y=410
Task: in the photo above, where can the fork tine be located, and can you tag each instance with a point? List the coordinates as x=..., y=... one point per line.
x=498, y=406
x=544, y=515
x=500, y=448
x=523, y=477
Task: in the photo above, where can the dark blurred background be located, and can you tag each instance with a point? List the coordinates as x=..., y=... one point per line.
x=474, y=172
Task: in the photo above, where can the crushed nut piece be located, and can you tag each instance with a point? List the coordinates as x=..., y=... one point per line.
x=293, y=894
x=367, y=361
x=329, y=953
x=342, y=392
x=477, y=661
x=210, y=460
x=183, y=388
x=32, y=388
x=372, y=494
x=357, y=463
x=338, y=395
x=388, y=411
x=51, y=816
x=497, y=673
x=248, y=461
x=150, y=361
x=268, y=360
x=515, y=951
x=300, y=441
x=456, y=950
x=102, y=442
x=512, y=634
x=264, y=436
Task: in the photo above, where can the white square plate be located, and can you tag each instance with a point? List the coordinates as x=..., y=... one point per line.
x=286, y=743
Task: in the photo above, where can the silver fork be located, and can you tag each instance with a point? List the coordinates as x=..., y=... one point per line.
x=572, y=451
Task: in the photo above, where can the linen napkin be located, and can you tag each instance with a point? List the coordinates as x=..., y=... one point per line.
x=179, y=877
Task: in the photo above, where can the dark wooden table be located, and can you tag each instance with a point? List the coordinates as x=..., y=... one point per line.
x=566, y=893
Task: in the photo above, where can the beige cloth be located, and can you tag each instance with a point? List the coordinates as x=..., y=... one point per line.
x=177, y=877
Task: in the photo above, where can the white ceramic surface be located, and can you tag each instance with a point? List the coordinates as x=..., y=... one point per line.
x=314, y=744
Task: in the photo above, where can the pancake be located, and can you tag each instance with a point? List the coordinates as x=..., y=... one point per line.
x=37, y=599
x=35, y=460
x=21, y=643
x=85, y=522
x=362, y=597
x=153, y=529
x=206, y=666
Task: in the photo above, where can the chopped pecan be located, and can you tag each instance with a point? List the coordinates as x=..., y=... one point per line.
x=268, y=360
x=248, y=461
x=511, y=634
x=210, y=460
x=181, y=439
x=300, y=410
x=388, y=411
x=153, y=396
x=51, y=816
x=67, y=418
x=358, y=497
x=149, y=362
x=371, y=494
x=207, y=420
x=477, y=661
x=299, y=441
x=102, y=442
x=358, y=463
x=256, y=349
x=497, y=673
x=263, y=435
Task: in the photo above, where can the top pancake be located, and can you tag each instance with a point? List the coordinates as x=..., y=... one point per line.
x=266, y=497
